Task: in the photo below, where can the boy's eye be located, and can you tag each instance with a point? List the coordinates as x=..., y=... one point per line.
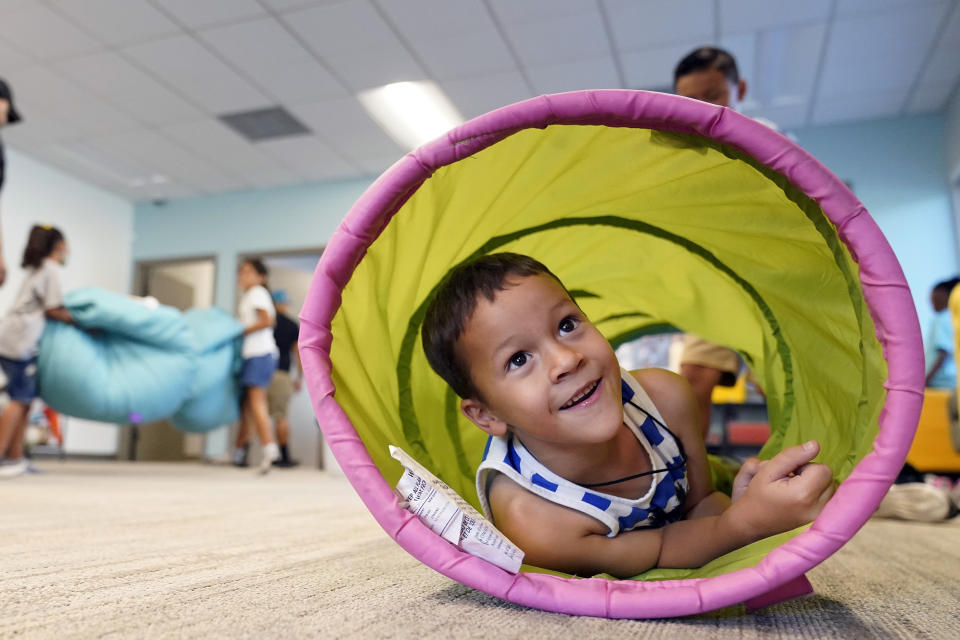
x=568, y=324
x=517, y=360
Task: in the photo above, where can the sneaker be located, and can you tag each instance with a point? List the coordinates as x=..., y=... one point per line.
x=13, y=468
x=240, y=457
x=917, y=501
x=289, y=463
x=271, y=453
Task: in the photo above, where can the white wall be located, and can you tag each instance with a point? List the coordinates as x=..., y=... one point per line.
x=98, y=226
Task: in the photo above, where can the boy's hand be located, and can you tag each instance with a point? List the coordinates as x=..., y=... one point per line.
x=783, y=493
x=746, y=473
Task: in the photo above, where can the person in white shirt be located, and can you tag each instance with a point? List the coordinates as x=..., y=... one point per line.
x=39, y=299
x=258, y=316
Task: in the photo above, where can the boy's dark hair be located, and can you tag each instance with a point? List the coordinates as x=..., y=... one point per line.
x=706, y=58
x=454, y=303
x=40, y=244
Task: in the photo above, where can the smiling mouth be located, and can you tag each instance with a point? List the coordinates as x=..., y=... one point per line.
x=582, y=395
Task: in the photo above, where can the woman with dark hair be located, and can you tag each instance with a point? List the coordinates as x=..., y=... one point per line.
x=258, y=316
x=40, y=297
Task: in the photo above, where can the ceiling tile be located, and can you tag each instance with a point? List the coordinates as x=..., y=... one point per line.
x=554, y=39
x=40, y=32
x=13, y=58
x=944, y=63
x=930, y=98
x=273, y=177
x=108, y=166
x=785, y=67
x=853, y=7
x=738, y=16
x=476, y=96
x=206, y=13
x=213, y=141
x=373, y=67
x=480, y=52
x=649, y=24
x=279, y=64
x=118, y=22
x=595, y=73
x=310, y=158
x=125, y=86
x=346, y=127
x=743, y=47
x=785, y=117
x=344, y=27
x=858, y=106
x=534, y=10
x=70, y=110
x=183, y=63
x=653, y=68
x=289, y=5
x=853, y=64
x=429, y=19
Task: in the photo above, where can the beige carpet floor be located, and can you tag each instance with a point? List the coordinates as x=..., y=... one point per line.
x=119, y=550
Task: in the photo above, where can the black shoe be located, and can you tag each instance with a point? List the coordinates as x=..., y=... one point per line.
x=240, y=458
x=285, y=464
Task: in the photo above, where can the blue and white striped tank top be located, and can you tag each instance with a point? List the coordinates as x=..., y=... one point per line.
x=659, y=506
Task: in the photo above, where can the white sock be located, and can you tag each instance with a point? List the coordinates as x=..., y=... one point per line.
x=271, y=451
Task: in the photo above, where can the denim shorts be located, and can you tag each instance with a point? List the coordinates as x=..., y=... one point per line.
x=21, y=379
x=258, y=371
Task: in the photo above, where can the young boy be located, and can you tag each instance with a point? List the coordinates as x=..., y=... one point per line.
x=581, y=469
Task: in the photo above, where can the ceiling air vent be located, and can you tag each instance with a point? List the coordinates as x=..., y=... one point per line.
x=264, y=124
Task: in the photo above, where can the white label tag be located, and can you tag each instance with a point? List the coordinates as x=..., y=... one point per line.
x=451, y=517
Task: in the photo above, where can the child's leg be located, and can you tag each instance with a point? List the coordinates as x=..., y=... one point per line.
x=15, y=448
x=246, y=423
x=258, y=407
x=257, y=403
x=10, y=421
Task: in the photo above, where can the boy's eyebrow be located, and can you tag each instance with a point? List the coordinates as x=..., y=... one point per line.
x=510, y=337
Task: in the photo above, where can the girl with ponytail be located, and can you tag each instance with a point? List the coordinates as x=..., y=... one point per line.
x=40, y=298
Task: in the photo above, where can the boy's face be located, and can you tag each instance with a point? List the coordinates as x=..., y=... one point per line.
x=710, y=85
x=543, y=370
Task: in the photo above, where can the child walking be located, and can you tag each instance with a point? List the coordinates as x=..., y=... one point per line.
x=258, y=316
x=40, y=297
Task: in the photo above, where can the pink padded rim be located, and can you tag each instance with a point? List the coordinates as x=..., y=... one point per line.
x=885, y=291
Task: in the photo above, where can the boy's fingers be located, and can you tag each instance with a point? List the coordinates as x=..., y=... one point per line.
x=789, y=460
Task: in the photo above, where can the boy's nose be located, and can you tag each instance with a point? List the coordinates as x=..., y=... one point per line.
x=565, y=361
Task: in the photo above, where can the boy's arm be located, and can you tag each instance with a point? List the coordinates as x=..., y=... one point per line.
x=786, y=492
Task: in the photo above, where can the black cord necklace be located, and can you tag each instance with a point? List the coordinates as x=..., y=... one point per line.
x=683, y=457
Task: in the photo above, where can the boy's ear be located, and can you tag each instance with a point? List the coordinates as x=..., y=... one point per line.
x=480, y=415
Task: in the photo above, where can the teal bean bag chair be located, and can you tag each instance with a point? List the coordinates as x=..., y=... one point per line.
x=124, y=362
x=214, y=396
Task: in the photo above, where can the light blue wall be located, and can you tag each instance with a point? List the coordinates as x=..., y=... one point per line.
x=301, y=217
x=898, y=169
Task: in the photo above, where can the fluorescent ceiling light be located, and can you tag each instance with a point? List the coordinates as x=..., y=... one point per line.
x=412, y=113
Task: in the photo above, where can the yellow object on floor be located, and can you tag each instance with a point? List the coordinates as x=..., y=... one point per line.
x=933, y=448
x=737, y=394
